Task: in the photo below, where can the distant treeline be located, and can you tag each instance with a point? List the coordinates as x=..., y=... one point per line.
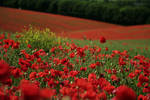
x=118, y=12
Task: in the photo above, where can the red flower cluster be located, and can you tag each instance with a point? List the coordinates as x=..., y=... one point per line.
x=4, y=70
x=102, y=39
x=80, y=73
x=124, y=93
x=31, y=91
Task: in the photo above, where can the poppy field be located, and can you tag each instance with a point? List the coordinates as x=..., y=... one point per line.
x=14, y=20
x=71, y=71
x=82, y=60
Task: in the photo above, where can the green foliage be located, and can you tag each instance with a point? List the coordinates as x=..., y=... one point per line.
x=42, y=5
x=9, y=3
x=27, y=4
x=40, y=39
x=79, y=8
x=65, y=7
x=133, y=15
x=53, y=6
x=125, y=2
x=148, y=21
x=1, y=2
x=94, y=11
x=110, y=13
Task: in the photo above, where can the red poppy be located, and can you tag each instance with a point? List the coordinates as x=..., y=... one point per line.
x=47, y=93
x=114, y=78
x=15, y=45
x=91, y=76
x=102, y=39
x=29, y=46
x=73, y=73
x=142, y=97
x=143, y=78
x=3, y=96
x=125, y=93
x=2, y=36
x=83, y=68
x=32, y=75
x=4, y=70
x=93, y=66
x=72, y=55
x=80, y=52
x=131, y=75
x=109, y=89
x=106, y=48
x=102, y=96
x=14, y=98
x=29, y=91
x=16, y=72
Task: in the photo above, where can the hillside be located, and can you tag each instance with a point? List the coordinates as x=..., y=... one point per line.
x=14, y=20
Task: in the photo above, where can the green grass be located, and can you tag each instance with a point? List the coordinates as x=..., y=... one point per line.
x=133, y=46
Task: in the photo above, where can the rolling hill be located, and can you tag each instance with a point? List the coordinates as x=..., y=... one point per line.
x=13, y=20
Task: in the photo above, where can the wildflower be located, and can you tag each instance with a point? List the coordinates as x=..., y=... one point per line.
x=52, y=50
x=83, y=68
x=2, y=36
x=124, y=93
x=109, y=89
x=15, y=45
x=47, y=93
x=32, y=75
x=142, y=97
x=18, y=36
x=73, y=73
x=72, y=55
x=80, y=52
x=4, y=70
x=3, y=96
x=114, y=78
x=29, y=46
x=91, y=77
x=102, y=39
x=102, y=96
x=93, y=66
x=131, y=75
x=90, y=94
x=14, y=97
x=16, y=72
x=143, y=78
x=29, y=91
x=106, y=48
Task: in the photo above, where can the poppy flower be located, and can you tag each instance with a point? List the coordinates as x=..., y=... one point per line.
x=16, y=72
x=47, y=93
x=72, y=55
x=143, y=78
x=114, y=78
x=15, y=45
x=124, y=93
x=93, y=66
x=102, y=39
x=29, y=91
x=142, y=97
x=3, y=96
x=102, y=96
x=4, y=70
